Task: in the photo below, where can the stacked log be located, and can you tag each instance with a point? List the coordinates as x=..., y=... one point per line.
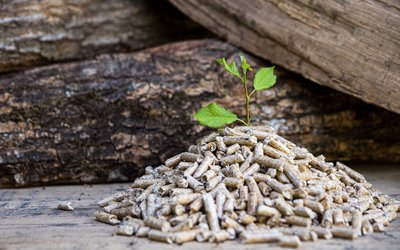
x=34, y=32
x=352, y=46
x=105, y=119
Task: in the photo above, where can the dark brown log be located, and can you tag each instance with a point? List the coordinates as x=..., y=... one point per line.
x=105, y=119
x=350, y=45
x=34, y=32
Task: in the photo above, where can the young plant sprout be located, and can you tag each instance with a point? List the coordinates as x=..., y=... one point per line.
x=215, y=116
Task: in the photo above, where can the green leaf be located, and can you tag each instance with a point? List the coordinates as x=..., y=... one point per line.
x=230, y=67
x=245, y=65
x=264, y=78
x=215, y=116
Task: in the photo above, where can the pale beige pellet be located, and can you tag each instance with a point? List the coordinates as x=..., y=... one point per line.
x=211, y=211
x=208, y=175
x=106, y=218
x=267, y=211
x=350, y=172
x=191, y=169
x=127, y=230
x=235, y=171
x=67, y=206
x=366, y=227
x=185, y=236
x=255, y=167
x=143, y=231
x=197, y=204
x=284, y=207
x=158, y=235
x=156, y=223
x=185, y=199
x=213, y=183
x=232, y=149
x=250, y=237
x=191, y=157
x=220, y=201
x=298, y=221
x=233, y=182
x=219, y=140
x=344, y=232
x=322, y=232
x=231, y=159
x=246, y=164
x=270, y=162
x=289, y=241
x=173, y=161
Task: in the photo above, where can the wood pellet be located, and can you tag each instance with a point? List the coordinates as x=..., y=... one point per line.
x=251, y=185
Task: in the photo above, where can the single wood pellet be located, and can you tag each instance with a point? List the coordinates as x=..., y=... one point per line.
x=249, y=184
x=67, y=206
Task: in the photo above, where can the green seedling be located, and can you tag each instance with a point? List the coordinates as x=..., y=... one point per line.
x=215, y=116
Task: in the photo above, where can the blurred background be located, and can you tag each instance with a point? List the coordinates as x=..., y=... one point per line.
x=93, y=91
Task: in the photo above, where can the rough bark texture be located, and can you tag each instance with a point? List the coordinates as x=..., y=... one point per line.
x=106, y=119
x=34, y=32
x=350, y=45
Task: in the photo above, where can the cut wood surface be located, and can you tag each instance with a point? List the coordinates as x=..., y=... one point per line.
x=34, y=32
x=352, y=46
x=30, y=220
x=104, y=120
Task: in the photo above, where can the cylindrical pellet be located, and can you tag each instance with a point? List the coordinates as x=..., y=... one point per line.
x=250, y=237
x=322, y=232
x=232, y=149
x=160, y=236
x=106, y=218
x=231, y=159
x=185, y=236
x=156, y=223
x=208, y=160
x=255, y=167
x=252, y=203
x=211, y=211
x=298, y=221
x=219, y=236
x=191, y=157
x=283, y=207
x=344, y=232
x=233, y=182
x=267, y=211
x=289, y=241
x=143, y=231
x=219, y=140
x=67, y=206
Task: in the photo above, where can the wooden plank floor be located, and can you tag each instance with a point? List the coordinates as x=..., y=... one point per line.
x=29, y=220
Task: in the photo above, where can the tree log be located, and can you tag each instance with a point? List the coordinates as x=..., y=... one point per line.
x=106, y=119
x=34, y=32
x=352, y=46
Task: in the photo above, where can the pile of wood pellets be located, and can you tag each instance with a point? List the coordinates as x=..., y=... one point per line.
x=250, y=184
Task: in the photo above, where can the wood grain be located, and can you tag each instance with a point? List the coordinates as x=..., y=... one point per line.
x=106, y=119
x=30, y=220
x=352, y=46
x=35, y=32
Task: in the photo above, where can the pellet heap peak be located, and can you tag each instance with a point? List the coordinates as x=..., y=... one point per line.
x=248, y=183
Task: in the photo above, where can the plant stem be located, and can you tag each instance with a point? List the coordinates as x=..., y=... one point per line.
x=240, y=120
x=247, y=99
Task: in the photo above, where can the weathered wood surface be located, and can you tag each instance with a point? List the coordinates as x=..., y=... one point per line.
x=352, y=46
x=34, y=32
x=30, y=220
x=104, y=120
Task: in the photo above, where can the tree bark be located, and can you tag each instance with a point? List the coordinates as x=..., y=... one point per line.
x=352, y=46
x=34, y=32
x=106, y=119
